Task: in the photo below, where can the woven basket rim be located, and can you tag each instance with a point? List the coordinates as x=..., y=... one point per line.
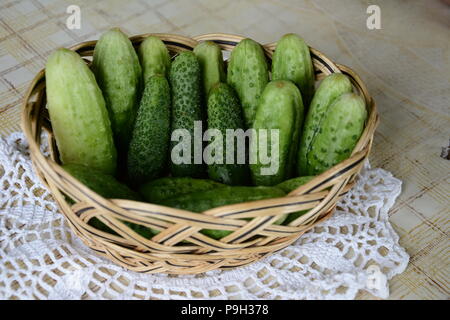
x=161, y=253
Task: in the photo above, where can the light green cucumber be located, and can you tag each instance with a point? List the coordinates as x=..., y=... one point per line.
x=149, y=146
x=118, y=73
x=292, y=61
x=225, y=113
x=248, y=74
x=280, y=113
x=154, y=57
x=338, y=134
x=156, y=191
x=78, y=113
x=329, y=90
x=205, y=200
x=211, y=62
x=185, y=81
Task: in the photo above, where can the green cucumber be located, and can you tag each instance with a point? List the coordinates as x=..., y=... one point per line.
x=338, y=134
x=211, y=62
x=225, y=113
x=248, y=74
x=329, y=90
x=292, y=61
x=118, y=73
x=204, y=200
x=185, y=81
x=158, y=190
x=149, y=146
x=293, y=183
x=108, y=187
x=104, y=184
x=280, y=109
x=154, y=57
x=78, y=113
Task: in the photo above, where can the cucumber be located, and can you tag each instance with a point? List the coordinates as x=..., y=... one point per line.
x=118, y=73
x=211, y=62
x=248, y=74
x=224, y=112
x=154, y=57
x=293, y=183
x=78, y=113
x=204, y=200
x=281, y=109
x=104, y=184
x=292, y=61
x=149, y=146
x=185, y=81
x=108, y=187
x=169, y=187
x=338, y=134
x=330, y=88
x=290, y=185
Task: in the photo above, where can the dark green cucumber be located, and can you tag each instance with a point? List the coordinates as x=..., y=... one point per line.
x=118, y=73
x=108, y=187
x=149, y=146
x=338, y=134
x=78, y=113
x=185, y=81
x=104, y=184
x=204, y=200
x=211, y=62
x=248, y=74
x=280, y=110
x=292, y=61
x=158, y=190
x=154, y=57
x=292, y=184
x=224, y=112
x=330, y=88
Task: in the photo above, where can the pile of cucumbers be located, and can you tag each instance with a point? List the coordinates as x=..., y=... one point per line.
x=115, y=120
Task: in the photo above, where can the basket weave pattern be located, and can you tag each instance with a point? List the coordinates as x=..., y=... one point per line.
x=166, y=252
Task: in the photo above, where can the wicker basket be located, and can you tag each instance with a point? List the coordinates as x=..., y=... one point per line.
x=166, y=252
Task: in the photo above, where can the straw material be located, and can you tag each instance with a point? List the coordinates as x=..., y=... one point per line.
x=167, y=252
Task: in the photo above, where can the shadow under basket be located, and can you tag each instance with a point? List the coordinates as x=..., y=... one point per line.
x=179, y=247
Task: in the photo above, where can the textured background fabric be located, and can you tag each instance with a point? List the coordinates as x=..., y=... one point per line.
x=405, y=65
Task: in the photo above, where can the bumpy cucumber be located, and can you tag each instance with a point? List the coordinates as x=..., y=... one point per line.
x=248, y=75
x=108, y=187
x=118, y=73
x=329, y=90
x=224, y=112
x=204, y=200
x=292, y=61
x=281, y=109
x=154, y=57
x=338, y=134
x=292, y=184
x=185, y=81
x=211, y=63
x=77, y=110
x=158, y=190
x=149, y=146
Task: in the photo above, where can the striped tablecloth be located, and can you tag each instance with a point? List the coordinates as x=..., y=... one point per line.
x=406, y=65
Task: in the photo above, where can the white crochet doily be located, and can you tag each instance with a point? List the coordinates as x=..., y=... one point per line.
x=40, y=258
